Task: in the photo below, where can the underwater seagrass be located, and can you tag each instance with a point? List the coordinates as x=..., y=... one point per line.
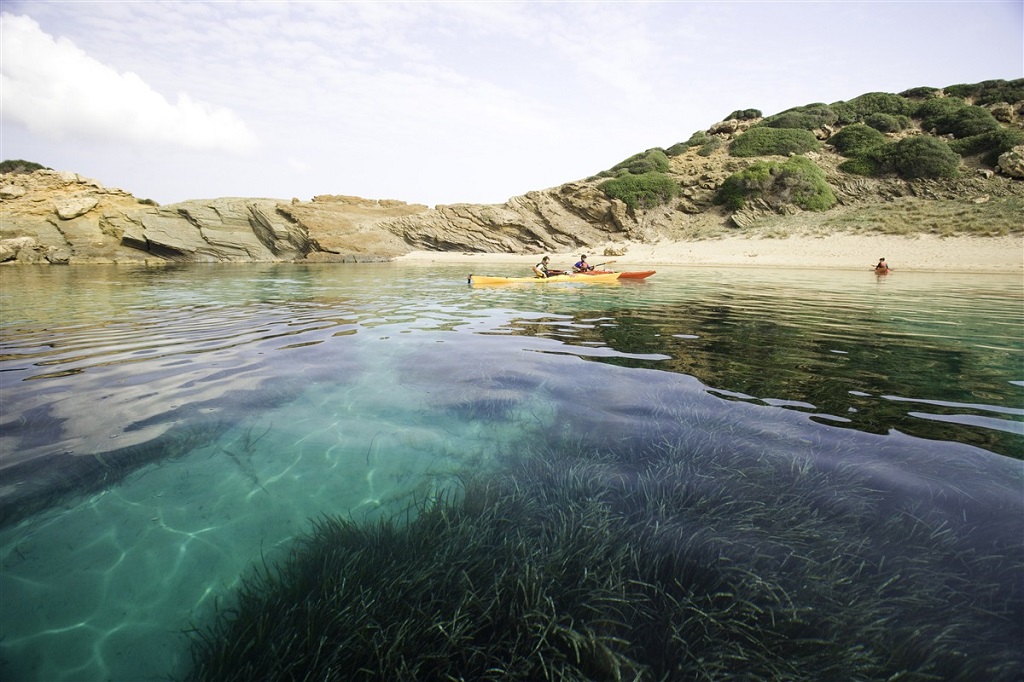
x=657, y=564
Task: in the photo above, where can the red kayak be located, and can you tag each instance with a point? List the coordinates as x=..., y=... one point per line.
x=639, y=274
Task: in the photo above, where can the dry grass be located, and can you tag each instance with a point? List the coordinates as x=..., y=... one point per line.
x=996, y=217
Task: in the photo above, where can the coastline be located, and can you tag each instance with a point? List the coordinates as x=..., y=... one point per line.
x=920, y=253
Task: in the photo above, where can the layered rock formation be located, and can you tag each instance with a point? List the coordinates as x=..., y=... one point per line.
x=60, y=217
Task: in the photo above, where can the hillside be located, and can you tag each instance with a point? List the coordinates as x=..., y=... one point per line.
x=947, y=161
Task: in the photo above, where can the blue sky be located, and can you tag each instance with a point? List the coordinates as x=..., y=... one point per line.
x=437, y=102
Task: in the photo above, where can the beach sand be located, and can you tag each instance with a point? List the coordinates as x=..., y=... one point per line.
x=921, y=253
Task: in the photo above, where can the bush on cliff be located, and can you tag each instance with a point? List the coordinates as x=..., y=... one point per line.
x=651, y=161
x=887, y=123
x=20, y=166
x=990, y=144
x=765, y=141
x=744, y=115
x=699, y=138
x=921, y=157
x=797, y=181
x=967, y=121
x=856, y=140
x=933, y=111
x=641, y=191
x=882, y=103
x=990, y=92
x=808, y=117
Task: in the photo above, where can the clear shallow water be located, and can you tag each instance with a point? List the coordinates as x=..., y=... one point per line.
x=162, y=430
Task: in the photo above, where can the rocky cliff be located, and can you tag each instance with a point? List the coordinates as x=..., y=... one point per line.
x=58, y=217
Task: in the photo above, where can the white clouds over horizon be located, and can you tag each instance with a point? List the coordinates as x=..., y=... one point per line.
x=57, y=91
x=435, y=102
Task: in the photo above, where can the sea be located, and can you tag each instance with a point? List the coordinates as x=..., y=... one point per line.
x=163, y=430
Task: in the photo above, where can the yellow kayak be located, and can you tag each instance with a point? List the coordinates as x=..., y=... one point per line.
x=588, y=279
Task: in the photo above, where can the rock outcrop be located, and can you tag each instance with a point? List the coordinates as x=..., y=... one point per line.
x=58, y=217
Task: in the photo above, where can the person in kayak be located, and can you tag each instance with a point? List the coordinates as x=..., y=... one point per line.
x=882, y=266
x=582, y=265
x=541, y=268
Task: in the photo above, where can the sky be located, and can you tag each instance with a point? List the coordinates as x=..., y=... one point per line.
x=442, y=102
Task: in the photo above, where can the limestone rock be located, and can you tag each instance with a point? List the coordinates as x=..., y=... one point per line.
x=1011, y=163
x=68, y=209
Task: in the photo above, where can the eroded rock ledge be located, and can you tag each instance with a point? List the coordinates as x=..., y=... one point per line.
x=60, y=217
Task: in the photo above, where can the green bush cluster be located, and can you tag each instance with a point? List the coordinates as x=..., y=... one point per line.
x=990, y=92
x=882, y=102
x=968, y=121
x=990, y=144
x=698, y=138
x=808, y=117
x=921, y=157
x=887, y=123
x=861, y=165
x=857, y=140
x=869, y=154
x=652, y=160
x=932, y=111
x=744, y=115
x=798, y=181
x=765, y=141
x=641, y=191
x=922, y=92
x=20, y=166
x=709, y=146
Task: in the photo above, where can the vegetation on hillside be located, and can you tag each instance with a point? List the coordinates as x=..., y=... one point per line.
x=20, y=166
x=921, y=133
x=797, y=180
x=641, y=191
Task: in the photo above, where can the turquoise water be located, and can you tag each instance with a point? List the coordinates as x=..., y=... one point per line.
x=165, y=429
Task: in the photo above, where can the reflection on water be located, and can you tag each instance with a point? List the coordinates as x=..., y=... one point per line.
x=164, y=429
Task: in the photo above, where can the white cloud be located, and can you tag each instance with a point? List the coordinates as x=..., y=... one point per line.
x=58, y=91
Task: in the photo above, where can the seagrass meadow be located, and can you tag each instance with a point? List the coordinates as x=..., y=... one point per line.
x=650, y=563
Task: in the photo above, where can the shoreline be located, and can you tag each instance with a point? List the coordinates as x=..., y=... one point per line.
x=919, y=253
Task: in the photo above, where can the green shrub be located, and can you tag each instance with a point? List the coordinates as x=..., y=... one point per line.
x=751, y=182
x=709, y=146
x=881, y=103
x=922, y=157
x=861, y=165
x=801, y=181
x=856, y=140
x=932, y=111
x=764, y=141
x=967, y=121
x=641, y=191
x=698, y=138
x=652, y=160
x=923, y=92
x=990, y=92
x=797, y=180
x=887, y=123
x=845, y=113
x=809, y=117
x=20, y=166
x=744, y=115
x=990, y=144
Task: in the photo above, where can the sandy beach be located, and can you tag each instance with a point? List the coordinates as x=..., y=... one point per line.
x=922, y=253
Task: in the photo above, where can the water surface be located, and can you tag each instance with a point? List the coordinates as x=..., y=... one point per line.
x=164, y=429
